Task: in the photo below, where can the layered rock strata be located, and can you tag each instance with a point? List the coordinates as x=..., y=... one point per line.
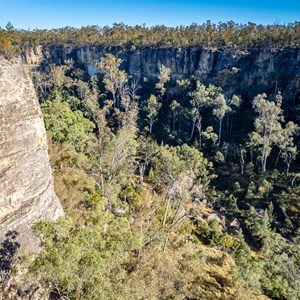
x=261, y=69
x=26, y=183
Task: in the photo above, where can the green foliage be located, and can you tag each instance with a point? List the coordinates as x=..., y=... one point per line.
x=209, y=134
x=132, y=195
x=152, y=107
x=269, y=130
x=169, y=162
x=201, y=98
x=115, y=80
x=224, y=34
x=6, y=47
x=265, y=188
x=226, y=79
x=251, y=191
x=115, y=161
x=67, y=126
x=237, y=187
x=85, y=262
x=164, y=77
x=248, y=267
x=219, y=157
x=136, y=205
x=286, y=144
x=211, y=233
x=73, y=183
x=280, y=279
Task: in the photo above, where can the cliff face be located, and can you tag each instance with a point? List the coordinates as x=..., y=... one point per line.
x=260, y=69
x=26, y=184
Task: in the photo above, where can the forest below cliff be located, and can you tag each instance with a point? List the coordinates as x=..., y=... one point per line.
x=172, y=189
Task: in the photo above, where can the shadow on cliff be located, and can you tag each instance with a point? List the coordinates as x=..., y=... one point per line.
x=8, y=250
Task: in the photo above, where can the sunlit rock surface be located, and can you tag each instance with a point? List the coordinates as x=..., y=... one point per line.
x=26, y=184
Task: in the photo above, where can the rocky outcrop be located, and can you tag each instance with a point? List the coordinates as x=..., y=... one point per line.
x=26, y=184
x=260, y=69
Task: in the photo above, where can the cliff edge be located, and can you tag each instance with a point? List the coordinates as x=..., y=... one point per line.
x=26, y=183
x=260, y=70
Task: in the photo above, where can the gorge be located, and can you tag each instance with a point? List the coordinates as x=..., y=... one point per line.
x=173, y=202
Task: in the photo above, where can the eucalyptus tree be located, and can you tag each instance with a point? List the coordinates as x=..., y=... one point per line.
x=164, y=77
x=201, y=98
x=179, y=171
x=209, y=134
x=267, y=126
x=176, y=109
x=288, y=149
x=220, y=110
x=114, y=79
x=152, y=107
x=234, y=102
x=223, y=106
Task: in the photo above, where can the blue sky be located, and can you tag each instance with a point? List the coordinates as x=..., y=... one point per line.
x=31, y=14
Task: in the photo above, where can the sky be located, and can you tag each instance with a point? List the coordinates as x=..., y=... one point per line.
x=32, y=14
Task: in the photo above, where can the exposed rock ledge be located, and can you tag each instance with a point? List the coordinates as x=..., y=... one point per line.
x=26, y=183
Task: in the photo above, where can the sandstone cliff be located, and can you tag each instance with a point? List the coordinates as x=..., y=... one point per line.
x=260, y=69
x=26, y=184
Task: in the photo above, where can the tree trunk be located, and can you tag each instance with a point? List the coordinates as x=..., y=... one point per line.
x=142, y=168
x=277, y=159
x=174, y=120
x=200, y=140
x=115, y=100
x=199, y=127
x=288, y=164
x=263, y=164
x=193, y=129
x=242, y=161
x=101, y=179
x=220, y=132
x=102, y=185
x=293, y=181
x=150, y=128
x=251, y=155
x=227, y=121
x=166, y=212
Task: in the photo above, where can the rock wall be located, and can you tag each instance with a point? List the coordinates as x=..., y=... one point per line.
x=260, y=69
x=26, y=184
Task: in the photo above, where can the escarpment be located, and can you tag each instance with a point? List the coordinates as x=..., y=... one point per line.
x=260, y=69
x=26, y=184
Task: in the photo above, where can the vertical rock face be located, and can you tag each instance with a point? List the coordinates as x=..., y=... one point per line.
x=26, y=184
x=260, y=69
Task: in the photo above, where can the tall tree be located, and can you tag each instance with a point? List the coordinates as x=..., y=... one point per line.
x=201, y=99
x=114, y=79
x=175, y=109
x=267, y=126
x=164, y=77
x=222, y=107
x=288, y=149
x=220, y=110
x=152, y=107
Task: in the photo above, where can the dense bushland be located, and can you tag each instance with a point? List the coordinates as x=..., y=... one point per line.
x=165, y=196
x=221, y=35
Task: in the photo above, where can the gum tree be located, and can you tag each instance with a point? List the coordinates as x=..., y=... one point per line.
x=152, y=107
x=267, y=126
x=114, y=79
